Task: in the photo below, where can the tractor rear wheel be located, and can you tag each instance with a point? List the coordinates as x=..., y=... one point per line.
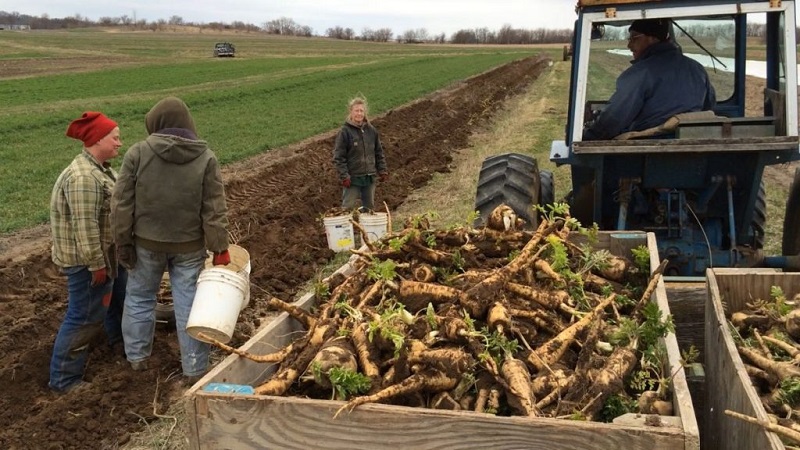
x=547, y=188
x=511, y=179
x=791, y=222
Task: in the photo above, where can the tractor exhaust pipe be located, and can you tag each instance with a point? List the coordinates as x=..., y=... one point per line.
x=787, y=263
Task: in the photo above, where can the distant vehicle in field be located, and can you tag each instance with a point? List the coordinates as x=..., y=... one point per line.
x=224, y=49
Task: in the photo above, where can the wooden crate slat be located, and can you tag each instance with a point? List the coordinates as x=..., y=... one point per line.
x=728, y=386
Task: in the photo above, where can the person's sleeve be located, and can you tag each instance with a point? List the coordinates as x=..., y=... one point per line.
x=85, y=197
x=380, y=158
x=214, y=211
x=623, y=107
x=340, y=155
x=123, y=200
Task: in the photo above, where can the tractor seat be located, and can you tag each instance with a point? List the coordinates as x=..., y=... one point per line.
x=669, y=128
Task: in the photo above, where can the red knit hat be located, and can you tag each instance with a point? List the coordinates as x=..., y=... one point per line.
x=90, y=128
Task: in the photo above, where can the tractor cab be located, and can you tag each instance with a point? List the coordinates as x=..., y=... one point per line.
x=696, y=180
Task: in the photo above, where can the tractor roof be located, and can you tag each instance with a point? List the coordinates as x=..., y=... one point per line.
x=583, y=3
x=611, y=2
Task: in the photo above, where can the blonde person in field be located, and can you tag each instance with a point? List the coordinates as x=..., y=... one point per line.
x=168, y=209
x=83, y=249
x=358, y=157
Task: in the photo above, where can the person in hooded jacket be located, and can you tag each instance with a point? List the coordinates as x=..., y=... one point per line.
x=358, y=157
x=168, y=209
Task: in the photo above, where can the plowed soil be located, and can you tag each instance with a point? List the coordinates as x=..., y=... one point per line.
x=276, y=202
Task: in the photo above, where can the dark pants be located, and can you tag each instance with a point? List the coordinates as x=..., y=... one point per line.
x=86, y=316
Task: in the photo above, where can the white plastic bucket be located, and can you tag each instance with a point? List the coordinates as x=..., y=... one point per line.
x=375, y=225
x=240, y=263
x=339, y=231
x=219, y=298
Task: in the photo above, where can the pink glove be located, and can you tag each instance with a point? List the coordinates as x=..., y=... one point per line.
x=99, y=277
x=346, y=182
x=222, y=259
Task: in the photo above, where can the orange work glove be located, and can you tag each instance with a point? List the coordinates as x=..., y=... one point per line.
x=383, y=176
x=346, y=182
x=222, y=258
x=99, y=277
x=107, y=300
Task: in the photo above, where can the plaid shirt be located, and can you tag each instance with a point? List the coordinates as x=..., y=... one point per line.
x=79, y=214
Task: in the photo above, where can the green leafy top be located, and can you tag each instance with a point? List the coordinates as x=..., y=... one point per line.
x=641, y=258
x=382, y=270
x=346, y=382
x=391, y=324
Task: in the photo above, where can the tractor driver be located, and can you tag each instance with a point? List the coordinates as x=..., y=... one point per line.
x=660, y=83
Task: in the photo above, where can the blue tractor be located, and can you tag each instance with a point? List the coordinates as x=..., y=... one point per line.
x=697, y=182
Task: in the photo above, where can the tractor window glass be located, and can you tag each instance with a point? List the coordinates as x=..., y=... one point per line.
x=712, y=43
x=610, y=55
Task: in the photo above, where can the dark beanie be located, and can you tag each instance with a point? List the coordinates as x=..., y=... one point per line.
x=658, y=28
x=170, y=112
x=90, y=128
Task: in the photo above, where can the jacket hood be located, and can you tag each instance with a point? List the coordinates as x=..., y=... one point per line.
x=170, y=112
x=175, y=149
x=363, y=124
x=655, y=49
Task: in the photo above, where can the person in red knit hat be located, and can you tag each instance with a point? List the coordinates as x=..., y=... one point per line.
x=83, y=249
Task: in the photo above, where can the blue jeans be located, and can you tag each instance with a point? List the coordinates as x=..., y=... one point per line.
x=366, y=193
x=139, y=317
x=86, y=316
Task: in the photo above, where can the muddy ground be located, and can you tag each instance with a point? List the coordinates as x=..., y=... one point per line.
x=276, y=202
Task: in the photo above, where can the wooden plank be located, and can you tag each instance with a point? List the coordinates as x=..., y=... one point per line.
x=681, y=398
x=686, y=145
x=687, y=302
x=295, y=423
x=729, y=386
x=250, y=421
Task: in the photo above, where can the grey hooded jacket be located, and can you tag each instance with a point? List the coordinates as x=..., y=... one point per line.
x=169, y=196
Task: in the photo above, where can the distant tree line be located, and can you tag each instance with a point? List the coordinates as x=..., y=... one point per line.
x=509, y=35
x=285, y=26
x=45, y=22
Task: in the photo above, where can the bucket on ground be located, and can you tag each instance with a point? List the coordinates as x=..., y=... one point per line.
x=339, y=231
x=222, y=292
x=375, y=225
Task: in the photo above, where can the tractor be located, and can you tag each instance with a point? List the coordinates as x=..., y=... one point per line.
x=698, y=184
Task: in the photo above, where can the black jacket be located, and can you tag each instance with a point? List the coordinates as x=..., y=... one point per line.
x=358, y=151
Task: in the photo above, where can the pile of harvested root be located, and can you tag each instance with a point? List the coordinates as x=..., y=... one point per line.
x=494, y=320
x=767, y=335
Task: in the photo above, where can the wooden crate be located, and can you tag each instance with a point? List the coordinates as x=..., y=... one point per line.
x=727, y=384
x=244, y=421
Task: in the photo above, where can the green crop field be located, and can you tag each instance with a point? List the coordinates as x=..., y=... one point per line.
x=276, y=91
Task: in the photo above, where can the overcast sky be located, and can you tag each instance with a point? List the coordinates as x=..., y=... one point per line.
x=437, y=16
